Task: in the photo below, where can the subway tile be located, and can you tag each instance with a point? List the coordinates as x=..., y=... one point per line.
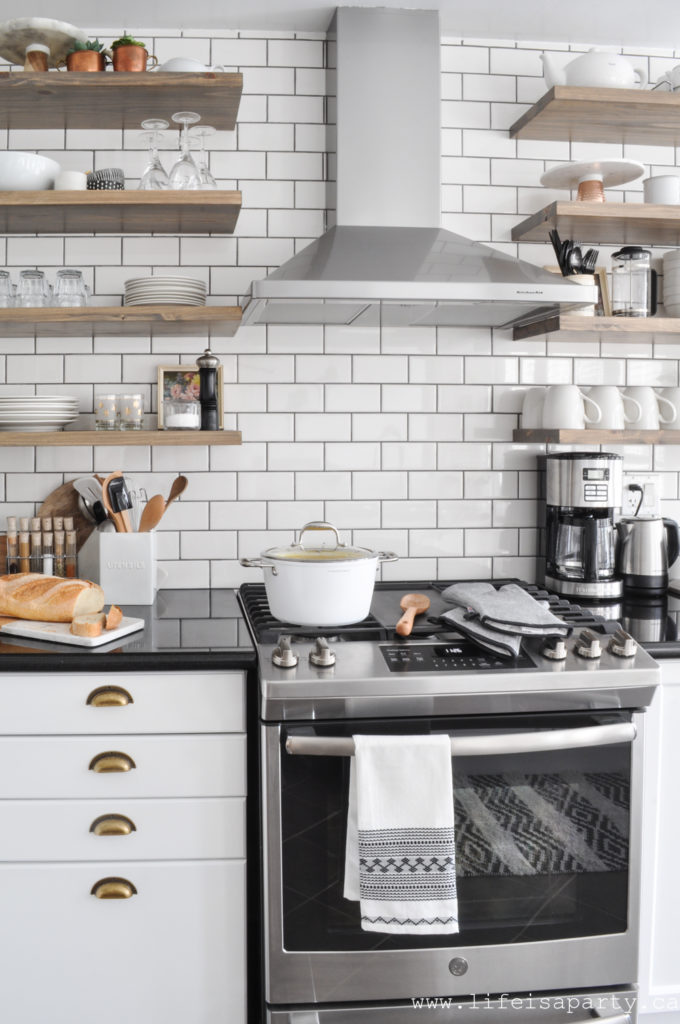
x=408, y=397
x=264, y=486
x=354, y=456
x=465, y=514
x=500, y=542
x=436, y=426
x=496, y=484
x=354, y=397
x=295, y=397
x=323, y=486
x=330, y=426
x=380, y=369
x=409, y=455
x=440, y=543
x=387, y=426
x=298, y=456
x=290, y=515
x=380, y=485
x=491, y=370
x=442, y=484
x=464, y=398
x=407, y=514
x=238, y=515
x=269, y=426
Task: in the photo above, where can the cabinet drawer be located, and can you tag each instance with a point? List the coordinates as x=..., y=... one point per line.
x=164, y=766
x=209, y=828
x=158, y=702
x=173, y=951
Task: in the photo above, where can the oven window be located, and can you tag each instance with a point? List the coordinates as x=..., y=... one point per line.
x=541, y=840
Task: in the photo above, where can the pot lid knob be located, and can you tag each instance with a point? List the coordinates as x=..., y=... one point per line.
x=283, y=655
x=207, y=361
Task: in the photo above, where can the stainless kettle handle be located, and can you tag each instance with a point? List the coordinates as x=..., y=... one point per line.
x=672, y=540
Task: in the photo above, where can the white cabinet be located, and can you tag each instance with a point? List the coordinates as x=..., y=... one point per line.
x=122, y=848
x=660, y=903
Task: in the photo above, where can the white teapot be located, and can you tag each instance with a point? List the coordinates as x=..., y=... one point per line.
x=597, y=69
x=186, y=64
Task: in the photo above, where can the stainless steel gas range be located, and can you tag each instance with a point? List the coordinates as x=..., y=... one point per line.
x=547, y=788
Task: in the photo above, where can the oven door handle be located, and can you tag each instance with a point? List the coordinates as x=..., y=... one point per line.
x=483, y=746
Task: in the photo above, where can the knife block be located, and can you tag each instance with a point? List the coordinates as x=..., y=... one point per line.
x=123, y=564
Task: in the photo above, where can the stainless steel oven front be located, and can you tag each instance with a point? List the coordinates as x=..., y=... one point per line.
x=547, y=812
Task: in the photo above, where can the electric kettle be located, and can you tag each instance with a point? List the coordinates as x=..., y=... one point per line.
x=647, y=547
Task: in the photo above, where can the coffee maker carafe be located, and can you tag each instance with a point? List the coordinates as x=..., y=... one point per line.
x=583, y=493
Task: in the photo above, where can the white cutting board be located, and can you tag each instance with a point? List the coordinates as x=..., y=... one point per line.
x=61, y=633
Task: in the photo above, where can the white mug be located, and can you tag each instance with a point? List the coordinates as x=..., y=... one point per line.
x=650, y=402
x=70, y=181
x=612, y=403
x=532, y=408
x=564, y=408
x=671, y=395
x=663, y=189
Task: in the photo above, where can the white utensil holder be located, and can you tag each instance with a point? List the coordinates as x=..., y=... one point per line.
x=123, y=564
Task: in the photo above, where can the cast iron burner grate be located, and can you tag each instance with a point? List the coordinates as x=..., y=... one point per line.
x=267, y=628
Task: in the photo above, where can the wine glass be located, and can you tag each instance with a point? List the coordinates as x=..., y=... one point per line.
x=203, y=132
x=155, y=176
x=185, y=173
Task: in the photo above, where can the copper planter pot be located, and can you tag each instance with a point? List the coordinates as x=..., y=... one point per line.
x=86, y=60
x=131, y=58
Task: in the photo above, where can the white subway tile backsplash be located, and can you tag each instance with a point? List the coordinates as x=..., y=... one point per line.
x=384, y=485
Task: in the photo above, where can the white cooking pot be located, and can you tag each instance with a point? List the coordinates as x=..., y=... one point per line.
x=316, y=585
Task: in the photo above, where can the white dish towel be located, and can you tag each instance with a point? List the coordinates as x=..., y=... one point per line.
x=400, y=857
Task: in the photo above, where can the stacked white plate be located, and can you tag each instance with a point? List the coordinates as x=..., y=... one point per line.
x=174, y=291
x=33, y=413
x=671, y=283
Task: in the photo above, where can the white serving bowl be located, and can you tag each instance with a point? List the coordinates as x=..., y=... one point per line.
x=26, y=172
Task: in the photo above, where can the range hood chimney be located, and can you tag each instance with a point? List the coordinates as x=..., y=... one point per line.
x=387, y=261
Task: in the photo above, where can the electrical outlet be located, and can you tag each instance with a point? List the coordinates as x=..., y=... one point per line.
x=651, y=485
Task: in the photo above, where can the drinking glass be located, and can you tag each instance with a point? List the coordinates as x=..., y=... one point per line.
x=69, y=289
x=105, y=412
x=155, y=175
x=203, y=132
x=130, y=412
x=6, y=290
x=185, y=173
x=33, y=289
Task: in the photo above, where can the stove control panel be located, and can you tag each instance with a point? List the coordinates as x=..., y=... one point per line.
x=454, y=656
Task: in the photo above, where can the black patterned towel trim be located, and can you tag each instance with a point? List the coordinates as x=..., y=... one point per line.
x=407, y=864
x=409, y=920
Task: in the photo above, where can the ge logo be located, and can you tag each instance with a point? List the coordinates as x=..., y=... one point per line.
x=458, y=966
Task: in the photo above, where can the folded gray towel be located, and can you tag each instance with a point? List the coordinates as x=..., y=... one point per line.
x=504, y=645
x=507, y=610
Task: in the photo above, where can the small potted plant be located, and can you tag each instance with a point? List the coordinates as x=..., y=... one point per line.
x=130, y=55
x=87, y=56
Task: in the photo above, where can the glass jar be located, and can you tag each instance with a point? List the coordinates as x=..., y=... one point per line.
x=633, y=282
x=181, y=415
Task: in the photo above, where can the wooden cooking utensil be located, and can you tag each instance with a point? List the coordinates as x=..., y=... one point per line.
x=120, y=519
x=152, y=513
x=179, y=486
x=412, y=605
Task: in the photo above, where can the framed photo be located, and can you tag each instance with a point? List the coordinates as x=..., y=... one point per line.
x=182, y=384
x=603, y=306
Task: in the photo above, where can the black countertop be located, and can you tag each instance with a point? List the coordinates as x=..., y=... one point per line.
x=184, y=630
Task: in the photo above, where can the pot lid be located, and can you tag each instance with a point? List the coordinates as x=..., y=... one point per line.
x=313, y=550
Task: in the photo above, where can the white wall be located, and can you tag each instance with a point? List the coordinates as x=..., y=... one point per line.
x=402, y=437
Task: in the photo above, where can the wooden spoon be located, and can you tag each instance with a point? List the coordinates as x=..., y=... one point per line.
x=152, y=513
x=412, y=605
x=179, y=486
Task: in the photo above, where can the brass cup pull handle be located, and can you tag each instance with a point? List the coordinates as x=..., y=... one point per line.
x=109, y=697
x=111, y=761
x=113, y=889
x=113, y=825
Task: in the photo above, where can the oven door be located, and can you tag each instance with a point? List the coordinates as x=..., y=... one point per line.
x=547, y=811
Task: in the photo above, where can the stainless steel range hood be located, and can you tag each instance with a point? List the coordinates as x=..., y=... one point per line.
x=388, y=261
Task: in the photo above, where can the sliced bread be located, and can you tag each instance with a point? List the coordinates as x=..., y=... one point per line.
x=88, y=625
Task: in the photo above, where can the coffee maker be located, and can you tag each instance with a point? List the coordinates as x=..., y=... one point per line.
x=583, y=494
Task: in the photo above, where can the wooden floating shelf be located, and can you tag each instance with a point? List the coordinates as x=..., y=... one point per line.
x=109, y=438
x=119, y=321
x=597, y=436
x=610, y=223
x=120, y=212
x=77, y=99
x=589, y=325
x=576, y=114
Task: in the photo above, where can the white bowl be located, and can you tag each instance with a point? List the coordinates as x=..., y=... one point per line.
x=26, y=172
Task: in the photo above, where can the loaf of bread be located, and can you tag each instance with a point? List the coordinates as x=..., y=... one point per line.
x=30, y=595
x=88, y=625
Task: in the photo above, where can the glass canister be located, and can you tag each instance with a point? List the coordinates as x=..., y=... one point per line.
x=633, y=282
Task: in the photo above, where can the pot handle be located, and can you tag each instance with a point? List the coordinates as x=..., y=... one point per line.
x=258, y=563
x=387, y=556
x=319, y=524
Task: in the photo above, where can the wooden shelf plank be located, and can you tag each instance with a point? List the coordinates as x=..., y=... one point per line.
x=83, y=321
x=536, y=436
x=78, y=99
x=68, y=438
x=603, y=223
x=577, y=114
x=121, y=213
x=589, y=325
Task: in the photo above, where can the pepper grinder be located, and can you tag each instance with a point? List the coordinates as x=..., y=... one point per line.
x=207, y=374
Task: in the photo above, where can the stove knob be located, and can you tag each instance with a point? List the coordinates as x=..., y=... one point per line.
x=322, y=655
x=282, y=655
x=555, y=649
x=622, y=644
x=588, y=645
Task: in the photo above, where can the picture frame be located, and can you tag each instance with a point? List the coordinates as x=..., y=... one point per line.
x=181, y=383
x=603, y=307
